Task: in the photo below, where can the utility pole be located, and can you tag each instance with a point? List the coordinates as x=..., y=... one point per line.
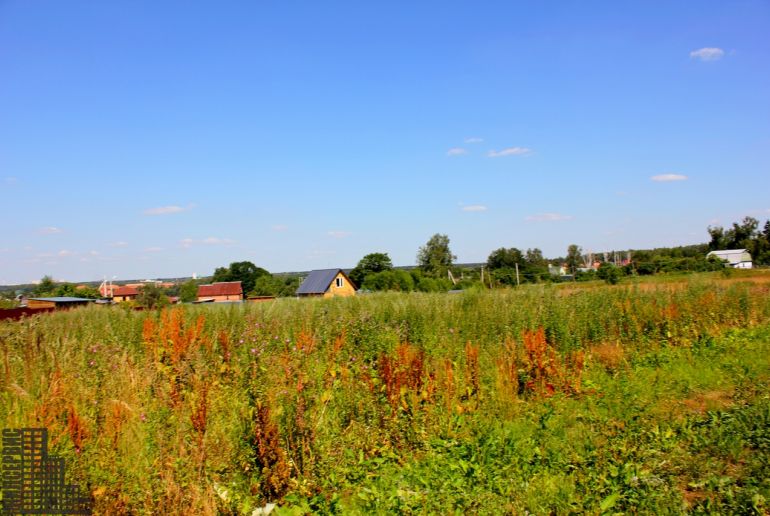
x=517, y=274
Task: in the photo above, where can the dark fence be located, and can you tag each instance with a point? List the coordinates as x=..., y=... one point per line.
x=17, y=313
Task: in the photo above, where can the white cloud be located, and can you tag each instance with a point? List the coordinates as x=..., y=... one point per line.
x=510, y=151
x=187, y=242
x=338, y=234
x=707, y=54
x=280, y=227
x=664, y=178
x=548, y=217
x=119, y=243
x=153, y=249
x=474, y=207
x=164, y=210
x=10, y=181
x=64, y=253
x=456, y=151
x=474, y=140
x=49, y=230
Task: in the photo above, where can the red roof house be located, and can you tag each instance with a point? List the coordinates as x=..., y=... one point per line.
x=220, y=292
x=124, y=293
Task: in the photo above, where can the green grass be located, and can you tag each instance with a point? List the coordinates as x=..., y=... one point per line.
x=630, y=400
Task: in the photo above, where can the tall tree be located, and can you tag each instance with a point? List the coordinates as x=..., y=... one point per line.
x=245, y=272
x=574, y=258
x=505, y=258
x=188, y=291
x=47, y=286
x=435, y=257
x=370, y=264
x=151, y=296
x=535, y=258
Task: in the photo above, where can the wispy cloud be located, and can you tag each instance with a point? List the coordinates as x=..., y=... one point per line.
x=119, y=243
x=10, y=181
x=165, y=210
x=664, y=178
x=474, y=207
x=548, y=217
x=189, y=242
x=474, y=140
x=64, y=253
x=510, y=151
x=49, y=230
x=338, y=234
x=707, y=54
x=153, y=249
x=456, y=151
x=280, y=227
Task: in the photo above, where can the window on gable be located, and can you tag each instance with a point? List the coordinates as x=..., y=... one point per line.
x=339, y=282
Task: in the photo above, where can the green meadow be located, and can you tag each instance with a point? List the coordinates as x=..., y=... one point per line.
x=646, y=398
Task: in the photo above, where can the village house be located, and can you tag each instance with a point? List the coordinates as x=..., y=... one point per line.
x=326, y=283
x=220, y=292
x=124, y=293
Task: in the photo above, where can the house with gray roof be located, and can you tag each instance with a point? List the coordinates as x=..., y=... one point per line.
x=326, y=283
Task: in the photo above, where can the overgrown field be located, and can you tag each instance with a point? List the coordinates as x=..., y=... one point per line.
x=610, y=399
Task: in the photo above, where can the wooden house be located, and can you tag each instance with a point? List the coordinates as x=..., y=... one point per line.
x=220, y=292
x=326, y=283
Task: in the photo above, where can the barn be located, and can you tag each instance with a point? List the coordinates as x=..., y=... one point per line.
x=735, y=258
x=326, y=283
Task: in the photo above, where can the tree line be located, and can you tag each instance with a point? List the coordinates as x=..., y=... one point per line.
x=436, y=270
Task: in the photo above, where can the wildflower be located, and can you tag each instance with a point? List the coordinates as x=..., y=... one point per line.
x=254, y=351
x=143, y=417
x=451, y=330
x=241, y=341
x=92, y=363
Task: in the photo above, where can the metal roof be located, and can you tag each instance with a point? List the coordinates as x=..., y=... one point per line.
x=317, y=282
x=732, y=255
x=61, y=299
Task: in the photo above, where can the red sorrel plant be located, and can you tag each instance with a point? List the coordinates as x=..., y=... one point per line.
x=270, y=457
x=401, y=373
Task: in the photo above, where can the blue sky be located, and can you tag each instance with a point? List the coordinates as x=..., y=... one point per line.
x=156, y=139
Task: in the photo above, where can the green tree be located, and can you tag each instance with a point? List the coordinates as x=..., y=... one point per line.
x=188, y=291
x=435, y=257
x=505, y=258
x=245, y=272
x=46, y=287
x=397, y=280
x=574, y=258
x=609, y=273
x=370, y=264
x=535, y=258
x=151, y=296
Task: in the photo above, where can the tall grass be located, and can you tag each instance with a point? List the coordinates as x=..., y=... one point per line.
x=205, y=409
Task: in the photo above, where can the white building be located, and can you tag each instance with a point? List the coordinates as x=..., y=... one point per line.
x=735, y=258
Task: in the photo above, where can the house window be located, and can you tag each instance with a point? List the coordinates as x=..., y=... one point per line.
x=339, y=282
